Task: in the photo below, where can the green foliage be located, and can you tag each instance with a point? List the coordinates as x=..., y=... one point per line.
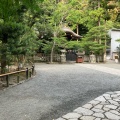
x=118, y=40
x=76, y=13
x=75, y=45
x=16, y=39
x=20, y=40
x=11, y=30
x=15, y=35
x=60, y=42
x=90, y=14
x=116, y=25
x=26, y=25
x=95, y=40
x=10, y=9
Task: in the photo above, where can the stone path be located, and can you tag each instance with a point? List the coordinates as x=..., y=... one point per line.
x=105, y=107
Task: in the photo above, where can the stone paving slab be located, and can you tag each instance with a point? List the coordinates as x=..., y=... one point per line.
x=104, y=107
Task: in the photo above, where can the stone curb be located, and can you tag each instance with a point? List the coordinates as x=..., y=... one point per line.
x=105, y=107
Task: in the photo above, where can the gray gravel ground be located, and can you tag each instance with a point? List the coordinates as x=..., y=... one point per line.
x=56, y=90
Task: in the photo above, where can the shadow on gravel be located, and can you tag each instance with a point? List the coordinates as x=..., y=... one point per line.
x=69, y=106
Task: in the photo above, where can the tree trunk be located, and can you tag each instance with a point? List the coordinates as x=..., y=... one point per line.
x=104, y=60
x=99, y=16
x=77, y=30
x=3, y=63
x=52, y=50
x=99, y=22
x=3, y=56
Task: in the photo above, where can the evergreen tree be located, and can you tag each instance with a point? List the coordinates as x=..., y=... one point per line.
x=11, y=12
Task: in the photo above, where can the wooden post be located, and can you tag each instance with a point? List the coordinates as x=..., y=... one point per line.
x=7, y=80
x=27, y=73
x=30, y=73
x=33, y=69
x=18, y=78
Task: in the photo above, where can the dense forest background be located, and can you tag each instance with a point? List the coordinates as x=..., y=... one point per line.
x=31, y=26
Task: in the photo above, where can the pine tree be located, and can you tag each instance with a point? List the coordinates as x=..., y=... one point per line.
x=11, y=12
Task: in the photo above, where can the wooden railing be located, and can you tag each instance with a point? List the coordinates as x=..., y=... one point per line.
x=29, y=72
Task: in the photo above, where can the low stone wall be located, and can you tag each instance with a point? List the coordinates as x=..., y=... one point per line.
x=46, y=58
x=98, y=58
x=56, y=58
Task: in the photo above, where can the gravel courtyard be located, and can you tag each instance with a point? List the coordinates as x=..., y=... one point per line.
x=58, y=89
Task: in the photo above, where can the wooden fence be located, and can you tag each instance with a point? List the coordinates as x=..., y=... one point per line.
x=28, y=72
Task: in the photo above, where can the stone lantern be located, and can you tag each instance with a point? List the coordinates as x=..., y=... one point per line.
x=63, y=56
x=92, y=58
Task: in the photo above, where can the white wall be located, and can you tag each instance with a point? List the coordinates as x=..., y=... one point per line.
x=115, y=34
